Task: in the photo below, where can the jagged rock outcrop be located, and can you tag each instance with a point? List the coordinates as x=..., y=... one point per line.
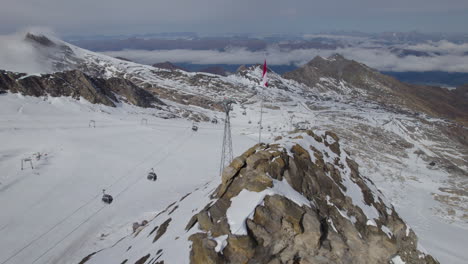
x=77, y=84
x=301, y=200
x=343, y=76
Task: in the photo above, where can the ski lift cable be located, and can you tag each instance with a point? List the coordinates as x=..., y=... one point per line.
x=68, y=234
x=50, y=229
x=157, y=163
x=35, y=204
x=117, y=195
x=76, y=210
x=127, y=173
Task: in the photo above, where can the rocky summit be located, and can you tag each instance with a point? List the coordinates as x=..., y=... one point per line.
x=310, y=205
x=298, y=200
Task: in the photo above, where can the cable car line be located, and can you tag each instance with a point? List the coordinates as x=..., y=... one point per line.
x=43, y=196
x=118, y=194
x=84, y=205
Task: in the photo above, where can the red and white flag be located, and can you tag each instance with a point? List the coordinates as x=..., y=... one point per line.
x=264, y=75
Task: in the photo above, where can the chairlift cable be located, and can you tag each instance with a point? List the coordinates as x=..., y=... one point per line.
x=69, y=233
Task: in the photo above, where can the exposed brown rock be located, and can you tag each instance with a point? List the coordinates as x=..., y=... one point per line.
x=77, y=84
x=330, y=228
x=162, y=229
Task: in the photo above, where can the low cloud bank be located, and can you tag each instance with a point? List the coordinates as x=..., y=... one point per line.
x=442, y=47
x=18, y=55
x=447, y=56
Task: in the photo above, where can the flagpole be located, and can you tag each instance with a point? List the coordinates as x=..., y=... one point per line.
x=261, y=117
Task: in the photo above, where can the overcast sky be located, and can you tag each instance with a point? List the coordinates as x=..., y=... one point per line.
x=87, y=17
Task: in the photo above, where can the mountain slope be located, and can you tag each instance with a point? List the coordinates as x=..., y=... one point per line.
x=77, y=84
x=343, y=76
x=299, y=200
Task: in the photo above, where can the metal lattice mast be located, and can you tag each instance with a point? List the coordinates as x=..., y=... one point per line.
x=226, y=154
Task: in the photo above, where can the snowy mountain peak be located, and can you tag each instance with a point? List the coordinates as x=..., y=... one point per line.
x=39, y=39
x=339, y=76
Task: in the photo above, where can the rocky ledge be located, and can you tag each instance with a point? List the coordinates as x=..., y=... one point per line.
x=300, y=200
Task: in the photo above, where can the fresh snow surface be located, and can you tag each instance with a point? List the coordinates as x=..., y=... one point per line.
x=221, y=242
x=387, y=231
x=397, y=260
x=53, y=213
x=243, y=205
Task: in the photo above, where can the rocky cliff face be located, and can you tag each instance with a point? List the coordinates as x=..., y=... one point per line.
x=300, y=201
x=77, y=84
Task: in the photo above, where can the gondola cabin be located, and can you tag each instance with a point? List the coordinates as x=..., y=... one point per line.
x=106, y=198
x=195, y=127
x=152, y=176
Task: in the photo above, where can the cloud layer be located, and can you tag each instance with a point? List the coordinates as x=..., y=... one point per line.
x=448, y=56
x=17, y=55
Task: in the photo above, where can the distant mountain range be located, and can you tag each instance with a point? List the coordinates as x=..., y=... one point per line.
x=432, y=78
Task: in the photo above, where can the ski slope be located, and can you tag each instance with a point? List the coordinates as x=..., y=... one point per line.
x=49, y=212
x=53, y=213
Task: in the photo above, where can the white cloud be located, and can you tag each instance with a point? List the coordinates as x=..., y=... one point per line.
x=442, y=46
x=384, y=60
x=380, y=58
x=20, y=56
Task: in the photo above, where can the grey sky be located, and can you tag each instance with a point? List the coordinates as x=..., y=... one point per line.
x=87, y=17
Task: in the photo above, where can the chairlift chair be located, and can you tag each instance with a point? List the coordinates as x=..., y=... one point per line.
x=152, y=175
x=106, y=198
